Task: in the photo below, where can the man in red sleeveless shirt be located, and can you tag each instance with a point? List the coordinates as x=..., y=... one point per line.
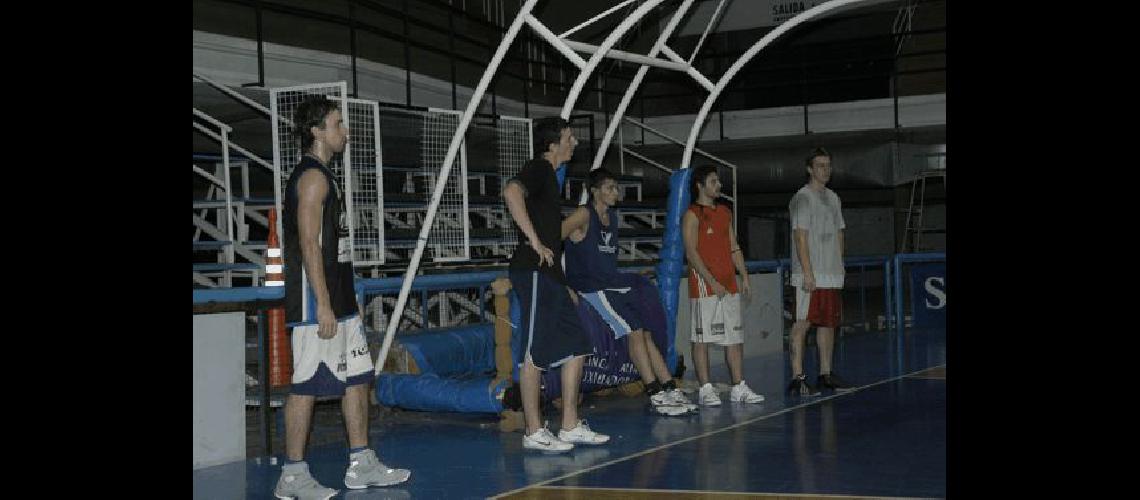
x=712, y=251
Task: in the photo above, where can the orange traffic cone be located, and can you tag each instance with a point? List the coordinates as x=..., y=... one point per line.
x=280, y=359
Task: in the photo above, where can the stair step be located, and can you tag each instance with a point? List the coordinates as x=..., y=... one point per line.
x=240, y=266
x=249, y=202
x=218, y=245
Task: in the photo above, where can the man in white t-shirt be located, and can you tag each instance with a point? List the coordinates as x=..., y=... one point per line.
x=817, y=272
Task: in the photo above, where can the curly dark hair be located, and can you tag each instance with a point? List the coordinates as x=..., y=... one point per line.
x=311, y=113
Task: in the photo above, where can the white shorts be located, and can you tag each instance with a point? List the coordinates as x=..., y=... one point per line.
x=325, y=367
x=803, y=302
x=707, y=309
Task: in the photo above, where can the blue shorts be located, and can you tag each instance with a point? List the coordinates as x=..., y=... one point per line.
x=617, y=308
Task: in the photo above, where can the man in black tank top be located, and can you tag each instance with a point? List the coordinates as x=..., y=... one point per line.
x=329, y=350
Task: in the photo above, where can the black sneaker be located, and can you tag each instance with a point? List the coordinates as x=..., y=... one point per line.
x=832, y=381
x=800, y=387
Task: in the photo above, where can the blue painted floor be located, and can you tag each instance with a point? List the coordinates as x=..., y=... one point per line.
x=887, y=438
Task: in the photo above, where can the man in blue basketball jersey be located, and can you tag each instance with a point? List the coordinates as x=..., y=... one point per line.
x=591, y=269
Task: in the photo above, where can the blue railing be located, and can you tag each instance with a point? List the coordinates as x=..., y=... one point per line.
x=428, y=283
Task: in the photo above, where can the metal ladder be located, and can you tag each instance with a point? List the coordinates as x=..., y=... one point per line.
x=912, y=234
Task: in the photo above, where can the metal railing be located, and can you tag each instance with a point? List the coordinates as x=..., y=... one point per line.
x=223, y=183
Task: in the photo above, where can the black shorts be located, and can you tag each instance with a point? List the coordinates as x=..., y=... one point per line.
x=551, y=331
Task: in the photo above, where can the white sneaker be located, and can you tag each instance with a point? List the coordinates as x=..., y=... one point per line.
x=365, y=470
x=300, y=485
x=678, y=397
x=741, y=392
x=707, y=396
x=544, y=440
x=670, y=410
x=582, y=434
x=662, y=398
x=663, y=404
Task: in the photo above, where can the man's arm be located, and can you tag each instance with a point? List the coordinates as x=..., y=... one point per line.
x=514, y=195
x=579, y=220
x=801, y=219
x=312, y=188
x=801, y=236
x=689, y=234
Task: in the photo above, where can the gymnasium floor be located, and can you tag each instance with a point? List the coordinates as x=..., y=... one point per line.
x=885, y=439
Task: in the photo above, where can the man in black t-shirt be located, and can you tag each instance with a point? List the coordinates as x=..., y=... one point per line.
x=552, y=334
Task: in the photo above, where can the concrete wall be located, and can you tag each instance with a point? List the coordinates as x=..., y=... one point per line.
x=763, y=238
x=870, y=231
x=219, y=388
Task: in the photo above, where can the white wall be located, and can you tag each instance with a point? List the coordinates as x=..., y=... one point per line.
x=872, y=114
x=219, y=388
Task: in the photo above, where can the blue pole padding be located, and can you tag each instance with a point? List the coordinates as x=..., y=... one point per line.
x=673, y=257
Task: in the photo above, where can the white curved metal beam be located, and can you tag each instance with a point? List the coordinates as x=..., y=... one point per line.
x=701, y=79
x=715, y=17
x=590, y=21
x=558, y=43
x=609, y=42
x=452, y=151
x=615, y=121
x=622, y=55
x=820, y=10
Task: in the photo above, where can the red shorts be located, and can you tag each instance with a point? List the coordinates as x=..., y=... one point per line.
x=825, y=307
